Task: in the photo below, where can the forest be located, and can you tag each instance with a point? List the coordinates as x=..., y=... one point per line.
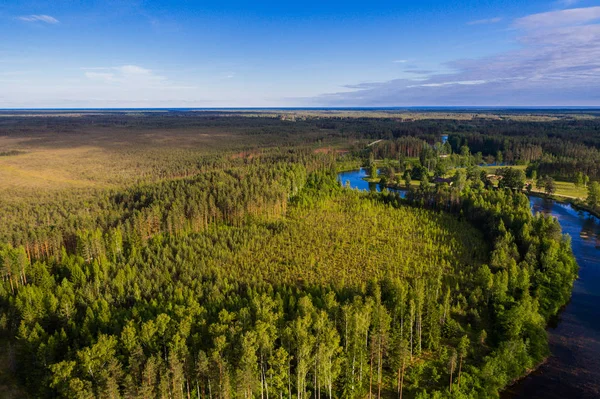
x=215, y=256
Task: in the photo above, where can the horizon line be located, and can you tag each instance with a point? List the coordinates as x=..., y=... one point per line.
x=411, y=107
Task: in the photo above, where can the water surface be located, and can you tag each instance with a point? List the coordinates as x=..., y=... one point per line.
x=355, y=179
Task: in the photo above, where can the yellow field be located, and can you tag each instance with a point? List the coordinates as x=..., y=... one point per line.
x=104, y=158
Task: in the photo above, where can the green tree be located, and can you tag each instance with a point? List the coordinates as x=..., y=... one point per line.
x=459, y=180
x=529, y=188
x=428, y=158
x=327, y=349
x=549, y=186
x=202, y=372
x=94, y=359
x=499, y=158
x=511, y=178
x=247, y=373
x=407, y=178
x=304, y=341
x=463, y=350
x=379, y=342
x=356, y=317
x=539, y=183
x=579, y=179
x=452, y=365
x=593, y=198
x=465, y=151
x=373, y=171
x=401, y=356
x=279, y=373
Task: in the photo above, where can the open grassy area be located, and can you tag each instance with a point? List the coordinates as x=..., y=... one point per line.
x=94, y=152
x=567, y=189
x=563, y=188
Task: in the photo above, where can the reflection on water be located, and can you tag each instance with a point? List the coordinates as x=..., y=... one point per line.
x=573, y=370
x=355, y=179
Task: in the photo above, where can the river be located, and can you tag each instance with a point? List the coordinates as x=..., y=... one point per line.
x=573, y=369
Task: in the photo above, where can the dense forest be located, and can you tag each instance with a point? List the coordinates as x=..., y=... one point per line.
x=249, y=271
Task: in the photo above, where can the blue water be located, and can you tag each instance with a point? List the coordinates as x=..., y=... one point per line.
x=573, y=369
x=356, y=180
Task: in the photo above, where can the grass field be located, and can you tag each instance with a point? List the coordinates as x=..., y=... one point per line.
x=567, y=189
x=52, y=154
x=563, y=188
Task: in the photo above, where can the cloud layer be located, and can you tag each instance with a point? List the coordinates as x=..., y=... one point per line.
x=38, y=18
x=558, y=63
x=559, y=18
x=126, y=75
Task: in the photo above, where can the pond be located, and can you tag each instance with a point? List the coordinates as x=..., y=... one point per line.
x=356, y=180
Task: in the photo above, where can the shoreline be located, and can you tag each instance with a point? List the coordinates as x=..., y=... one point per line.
x=506, y=390
x=576, y=203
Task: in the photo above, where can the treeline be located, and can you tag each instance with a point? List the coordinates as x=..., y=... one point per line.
x=559, y=148
x=526, y=247
x=226, y=191
x=562, y=147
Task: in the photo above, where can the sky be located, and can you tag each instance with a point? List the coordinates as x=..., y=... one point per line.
x=313, y=53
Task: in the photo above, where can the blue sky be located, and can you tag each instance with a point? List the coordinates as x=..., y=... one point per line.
x=117, y=53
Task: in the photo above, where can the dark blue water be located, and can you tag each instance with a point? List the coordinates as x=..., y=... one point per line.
x=573, y=369
x=356, y=180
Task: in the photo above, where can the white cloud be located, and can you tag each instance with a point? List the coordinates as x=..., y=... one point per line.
x=572, y=16
x=125, y=75
x=133, y=70
x=558, y=63
x=399, y=61
x=460, y=82
x=485, y=21
x=102, y=86
x=38, y=18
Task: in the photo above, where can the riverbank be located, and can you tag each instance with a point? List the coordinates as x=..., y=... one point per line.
x=576, y=203
x=573, y=368
x=507, y=390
